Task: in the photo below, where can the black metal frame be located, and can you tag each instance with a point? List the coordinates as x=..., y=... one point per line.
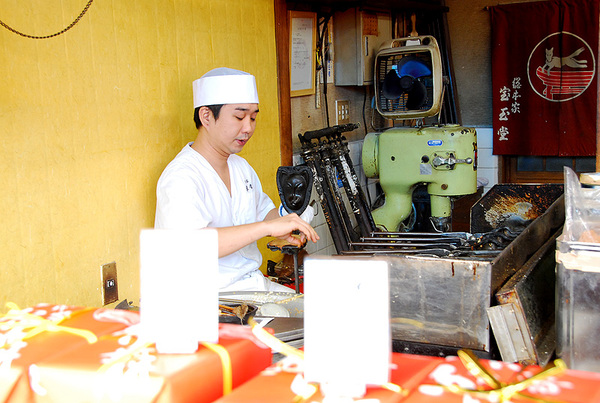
x=326, y=153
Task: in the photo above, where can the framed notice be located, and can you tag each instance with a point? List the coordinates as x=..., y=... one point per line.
x=303, y=29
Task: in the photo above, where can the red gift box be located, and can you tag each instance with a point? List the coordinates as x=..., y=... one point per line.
x=432, y=379
x=456, y=380
x=121, y=368
x=282, y=382
x=33, y=334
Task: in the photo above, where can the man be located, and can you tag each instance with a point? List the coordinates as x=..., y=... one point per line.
x=208, y=186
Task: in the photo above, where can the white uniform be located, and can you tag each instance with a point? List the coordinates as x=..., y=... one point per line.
x=191, y=195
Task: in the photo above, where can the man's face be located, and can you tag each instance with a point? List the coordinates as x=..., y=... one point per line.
x=235, y=126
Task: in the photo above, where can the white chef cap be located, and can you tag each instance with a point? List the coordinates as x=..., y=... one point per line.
x=225, y=86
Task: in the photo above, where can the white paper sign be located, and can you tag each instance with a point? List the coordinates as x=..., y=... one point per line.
x=179, y=293
x=347, y=341
x=301, y=50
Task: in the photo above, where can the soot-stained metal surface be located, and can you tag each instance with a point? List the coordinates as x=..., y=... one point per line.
x=512, y=206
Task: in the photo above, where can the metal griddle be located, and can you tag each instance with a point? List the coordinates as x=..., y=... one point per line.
x=441, y=304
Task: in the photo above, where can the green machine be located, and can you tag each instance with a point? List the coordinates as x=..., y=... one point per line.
x=409, y=87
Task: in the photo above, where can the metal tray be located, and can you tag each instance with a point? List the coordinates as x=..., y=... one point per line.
x=294, y=303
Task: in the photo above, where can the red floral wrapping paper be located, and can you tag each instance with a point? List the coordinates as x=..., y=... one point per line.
x=18, y=352
x=120, y=368
x=58, y=366
x=283, y=381
x=451, y=381
x=89, y=354
x=432, y=379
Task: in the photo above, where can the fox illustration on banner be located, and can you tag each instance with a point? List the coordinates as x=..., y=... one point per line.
x=544, y=77
x=555, y=61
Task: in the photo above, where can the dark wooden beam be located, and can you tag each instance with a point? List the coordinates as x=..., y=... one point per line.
x=329, y=6
x=283, y=79
x=598, y=112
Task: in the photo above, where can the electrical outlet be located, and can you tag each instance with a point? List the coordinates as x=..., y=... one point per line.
x=342, y=112
x=110, y=288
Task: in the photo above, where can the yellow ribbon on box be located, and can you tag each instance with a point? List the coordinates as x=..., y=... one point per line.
x=32, y=325
x=17, y=319
x=502, y=392
x=225, y=364
x=275, y=344
x=141, y=345
x=126, y=356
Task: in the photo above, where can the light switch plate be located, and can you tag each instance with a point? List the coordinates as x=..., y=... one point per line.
x=342, y=112
x=110, y=288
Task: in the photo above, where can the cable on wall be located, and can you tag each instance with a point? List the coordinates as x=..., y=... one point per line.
x=85, y=9
x=323, y=58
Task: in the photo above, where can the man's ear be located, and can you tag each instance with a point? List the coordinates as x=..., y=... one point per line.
x=205, y=114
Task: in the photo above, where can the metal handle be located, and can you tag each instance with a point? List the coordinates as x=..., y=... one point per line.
x=450, y=161
x=328, y=131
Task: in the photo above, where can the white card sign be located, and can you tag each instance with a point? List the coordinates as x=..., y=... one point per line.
x=347, y=341
x=179, y=293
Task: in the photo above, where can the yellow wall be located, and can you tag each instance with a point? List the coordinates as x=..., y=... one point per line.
x=89, y=119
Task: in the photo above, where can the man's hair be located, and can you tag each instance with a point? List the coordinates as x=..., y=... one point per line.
x=215, y=109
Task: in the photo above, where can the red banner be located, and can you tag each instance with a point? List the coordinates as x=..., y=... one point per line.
x=544, y=77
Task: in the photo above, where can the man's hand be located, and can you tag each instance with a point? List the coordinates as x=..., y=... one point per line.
x=234, y=238
x=283, y=227
x=307, y=215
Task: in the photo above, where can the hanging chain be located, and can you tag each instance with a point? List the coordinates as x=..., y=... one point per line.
x=87, y=6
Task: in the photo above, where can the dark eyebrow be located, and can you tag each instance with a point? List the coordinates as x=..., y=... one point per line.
x=239, y=108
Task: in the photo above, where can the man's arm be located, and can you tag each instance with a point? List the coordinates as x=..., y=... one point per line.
x=234, y=238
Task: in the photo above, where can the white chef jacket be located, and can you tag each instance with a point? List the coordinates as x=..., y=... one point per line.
x=191, y=195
